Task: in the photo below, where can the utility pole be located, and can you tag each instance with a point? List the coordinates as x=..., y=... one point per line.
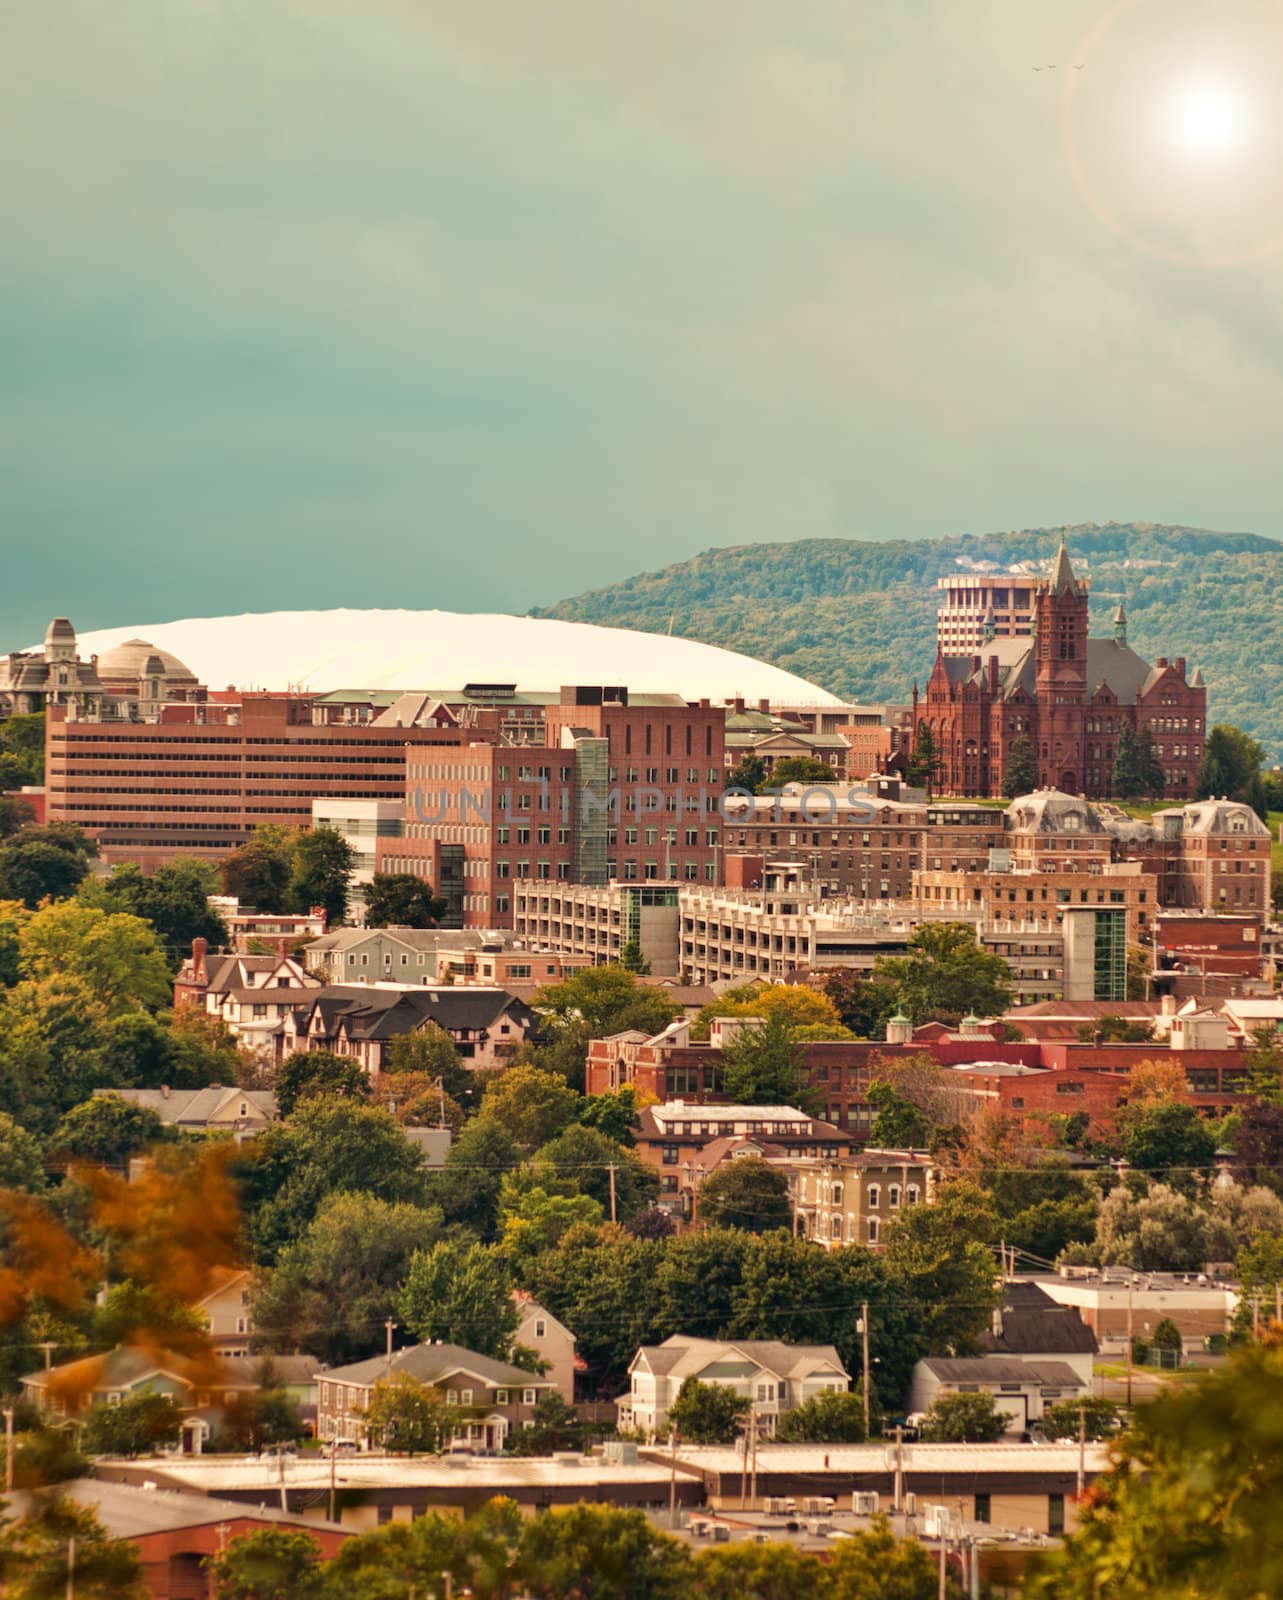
x=1256, y=1317
x=672, y=1478
x=280, y=1476
x=898, y=1501
x=333, y=1453
x=752, y=1492
x=71, y=1568
x=48, y=1346
x=8, y=1449
x=388, y=1327
x=1278, y=1302
x=612, y=1169
x=863, y=1329
x=1131, y=1282
x=1082, y=1448
x=944, y=1569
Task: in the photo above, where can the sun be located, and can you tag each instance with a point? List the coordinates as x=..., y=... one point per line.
x=1209, y=120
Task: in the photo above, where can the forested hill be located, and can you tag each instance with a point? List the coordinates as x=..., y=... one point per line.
x=859, y=618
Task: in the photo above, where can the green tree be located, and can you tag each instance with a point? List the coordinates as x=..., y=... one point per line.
x=174, y=899
x=964, y=1419
x=757, y=1572
x=797, y=769
x=1170, y=1139
x=321, y=873
x=1193, y=1505
x=532, y=1106
x=1167, y=1336
x=467, y=1188
x=272, y=1564
x=258, y=872
x=116, y=956
x=460, y=1294
x=1020, y=775
x=606, y=1000
x=134, y=1426
x=1231, y=766
x=408, y=1416
x=925, y=765
x=40, y=863
x=306, y=1074
x=748, y=1193
x=586, y=1156
x=534, y=1220
x=614, y=1114
x=22, y=739
x=748, y=773
x=334, y=1286
x=899, y=1124
x=21, y=1158
x=864, y=1005
x=328, y=1145
x=832, y=1418
x=875, y=1563
x=765, y=1066
x=633, y=960
x=430, y=1052
x=1095, y=1416
x=107, y=1130
x=708, y=1413
x=33, y=1556
x=946, y=973
x=554, y=1426
x=595, y=1552
x=1137, y=770
x=938, y=1259
x=400, y=900
x=1260, y=1271
x=15, y=812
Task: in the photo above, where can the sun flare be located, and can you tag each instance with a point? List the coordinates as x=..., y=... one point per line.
x=1210, y=121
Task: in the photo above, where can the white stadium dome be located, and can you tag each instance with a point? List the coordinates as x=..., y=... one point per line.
x=326, y=650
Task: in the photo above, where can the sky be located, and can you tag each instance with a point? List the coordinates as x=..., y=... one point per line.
x=476, y=304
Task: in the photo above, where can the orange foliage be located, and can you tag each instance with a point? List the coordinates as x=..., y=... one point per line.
x=42, y=1261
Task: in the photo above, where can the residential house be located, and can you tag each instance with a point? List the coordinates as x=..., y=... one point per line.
x=1021, y=1389
x=551, y=1340
x=252, y=995
x=855, y=1199
x=225, y=1309
x=367, y=955
x=243, y=1112
x=358, y=1020
x=202, y=1389
x=674, y=1137
x=494, y=1397
x=774, y=1377
x=1030, y=1326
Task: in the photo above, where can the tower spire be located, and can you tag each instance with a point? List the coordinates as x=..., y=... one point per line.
x=1120, y=624
x=1062, y=574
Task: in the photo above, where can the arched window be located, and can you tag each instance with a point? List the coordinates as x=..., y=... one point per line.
x=911, y=1197
x=875, y=1196
x=835, y=1228
x=873, y=1230
x=893, y=1196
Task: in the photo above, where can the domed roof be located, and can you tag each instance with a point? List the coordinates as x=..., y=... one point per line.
x=59, y=628
x=136, y=658
x=321, y=651
x=1053, y=811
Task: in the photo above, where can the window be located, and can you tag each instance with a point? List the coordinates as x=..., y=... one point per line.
x=465, y=1397
x=501, y=1397
x=452, y=1397
x=875, y=1196
x=541, y=1328
x=984, y=1508
x=527, y=1397
x=1055, y=1513
x=873, y=1230
x=893, y=1196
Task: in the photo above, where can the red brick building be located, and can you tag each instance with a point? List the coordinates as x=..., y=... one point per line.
x=1068, y=695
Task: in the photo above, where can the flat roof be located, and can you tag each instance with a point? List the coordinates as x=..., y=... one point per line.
x=849, y=1460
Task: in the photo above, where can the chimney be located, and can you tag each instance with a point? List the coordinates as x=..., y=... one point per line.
x=199, y=949
x=1161, y=662
x=993, y=674
x=763, y=705
x=975, y=663
x=737, y=705
x=164, y=1091
x=1179, y=665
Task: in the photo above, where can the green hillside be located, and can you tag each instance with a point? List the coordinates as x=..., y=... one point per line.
x=859, y=618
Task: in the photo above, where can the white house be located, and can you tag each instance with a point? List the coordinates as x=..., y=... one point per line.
x=775, y=1377
x=1021, y=1389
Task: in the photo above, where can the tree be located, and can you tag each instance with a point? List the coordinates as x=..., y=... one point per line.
x=15, y=812
x=532, y=1106
x=306, y=1074
x=708, y=1413
x=327, y=1146
x=1116, y=1030
x=764, y=1066
x=1020, y=775
x=1231, y=767
x=1193, y=1502
x=1159, y=1231
x=174, y=899
x=926, y=764
x=651, y=1223
x=460, y=1294
x=947, y=973
x=22, y=740
x=108, y=1130
x=1097, y=1417
x=554, y=1426
x=1258, y=1143
x=321, y=873
x=586, y=1156
x=607, y=1000
x=874, y=1562
x=430, y=1052
x=964, y=1419
x=534, y=1220
x=134, y=1426
x=407, y=1416
x=757, y=1572
x=797, y=769
x=1171, y=1139
x=33, y=1556
x=864, y=1005
x=116, y=956
x=831, y=1418
x=400, y=900
x=335, y=1285
x=938, y=1257
x=899, y=1124
x=21, y=1157
x=44, y=863
x=614, y=1114
x=467, y=1188
x=272, y=1564
x=1137, y=770
x=258, y=872
x=748, y=773
x=748, y=1193
x=632, y=959
x=594, y=1552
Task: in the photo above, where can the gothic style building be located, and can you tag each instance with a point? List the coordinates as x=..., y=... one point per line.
x=1067, y=695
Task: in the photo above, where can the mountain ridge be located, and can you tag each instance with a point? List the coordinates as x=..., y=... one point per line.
x=858, y=616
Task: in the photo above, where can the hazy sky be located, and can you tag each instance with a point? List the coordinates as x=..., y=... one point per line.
x=477, y=303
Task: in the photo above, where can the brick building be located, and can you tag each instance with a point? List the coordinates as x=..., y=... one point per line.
x=1067, y=694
